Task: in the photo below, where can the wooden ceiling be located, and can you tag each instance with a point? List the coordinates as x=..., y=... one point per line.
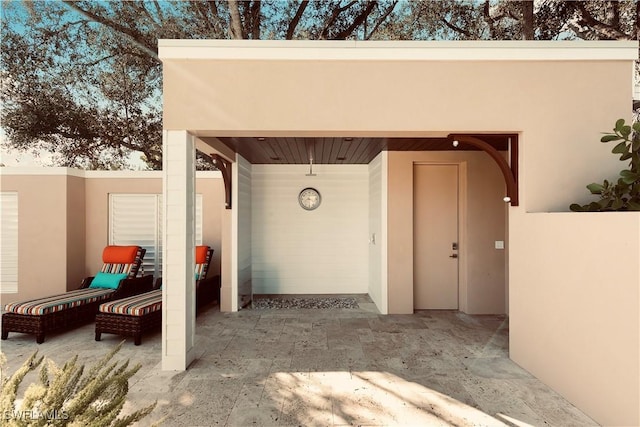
x=276, y=150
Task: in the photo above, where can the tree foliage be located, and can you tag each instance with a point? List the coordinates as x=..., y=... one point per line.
x=82, y=79
x=624, y=194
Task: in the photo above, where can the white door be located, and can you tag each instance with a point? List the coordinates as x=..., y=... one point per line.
x=435, y=228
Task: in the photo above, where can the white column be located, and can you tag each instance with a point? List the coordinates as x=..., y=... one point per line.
x=235, y=232
x=228, y=292
x=178, y=260
x=383, y=241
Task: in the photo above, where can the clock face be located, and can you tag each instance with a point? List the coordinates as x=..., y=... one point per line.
x=309, y=198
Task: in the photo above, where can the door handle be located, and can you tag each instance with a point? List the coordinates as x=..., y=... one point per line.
x=453, y=256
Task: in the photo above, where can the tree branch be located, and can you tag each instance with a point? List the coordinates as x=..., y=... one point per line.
x=486, y=10
x=336, y=12
x=210, y=16
x=615, y=14
x=96, y=62
x=236, y=22
x=604, y=29
x=296, y=19
x=255, y=20
x=456, y=28
x=490, y=20
x=219, y=21
x=201, y=9
x=152, y=21
x=71, y=23
x=528, y=20
x=383, y=18
x=158, y=10
x=638, y=21
x=131, y=35
x=356, y=22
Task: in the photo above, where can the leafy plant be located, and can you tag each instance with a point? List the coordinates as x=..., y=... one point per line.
x=69, y=396
x=623, y=195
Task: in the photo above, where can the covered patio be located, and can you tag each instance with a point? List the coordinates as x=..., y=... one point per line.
x=556, y=97
x=329, y=368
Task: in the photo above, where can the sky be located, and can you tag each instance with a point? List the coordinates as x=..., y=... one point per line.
x=14, y=158
x=11, y=157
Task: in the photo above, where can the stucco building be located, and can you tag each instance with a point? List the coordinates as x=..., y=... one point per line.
x=375, y=122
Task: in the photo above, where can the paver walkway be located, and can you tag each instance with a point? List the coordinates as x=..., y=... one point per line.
x=329, y=368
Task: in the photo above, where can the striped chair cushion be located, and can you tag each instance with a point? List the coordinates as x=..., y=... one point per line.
x=61, y=302
x=200, y=271
x=121, y=259
x=203, y=259
x=137, y=305
x=117, y=268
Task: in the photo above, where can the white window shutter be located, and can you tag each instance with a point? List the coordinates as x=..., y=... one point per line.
x=136, y=219
x=198, y=219
x=8, y=242
x=133, y=220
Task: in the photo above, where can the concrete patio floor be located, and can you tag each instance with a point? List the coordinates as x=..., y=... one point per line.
x=328, y=368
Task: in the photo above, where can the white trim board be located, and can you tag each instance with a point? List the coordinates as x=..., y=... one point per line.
x=116, y=174
x=319, y=50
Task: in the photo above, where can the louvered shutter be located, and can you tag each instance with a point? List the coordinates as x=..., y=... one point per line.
x=198, y=219
x=136, y=219
x=133, y=220
x=8, y=242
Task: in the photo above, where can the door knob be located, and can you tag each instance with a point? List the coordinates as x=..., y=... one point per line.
x=453, y=256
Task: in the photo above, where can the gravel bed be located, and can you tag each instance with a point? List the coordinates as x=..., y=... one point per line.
x=284, y=303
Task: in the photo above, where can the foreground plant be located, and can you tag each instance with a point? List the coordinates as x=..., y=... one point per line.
x=623, y=195
x=69, y=395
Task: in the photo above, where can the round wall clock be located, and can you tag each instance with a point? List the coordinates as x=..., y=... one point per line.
x=309, y=198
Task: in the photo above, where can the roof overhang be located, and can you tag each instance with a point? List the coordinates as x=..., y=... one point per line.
x=260, y=148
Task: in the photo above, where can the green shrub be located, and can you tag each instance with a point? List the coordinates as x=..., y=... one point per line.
x=623, y=195
x=69, y=395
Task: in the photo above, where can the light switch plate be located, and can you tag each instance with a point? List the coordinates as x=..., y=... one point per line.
x=499, y=244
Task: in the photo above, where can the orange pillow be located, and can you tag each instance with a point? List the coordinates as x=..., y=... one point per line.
x=201, y=254
x=119, y=254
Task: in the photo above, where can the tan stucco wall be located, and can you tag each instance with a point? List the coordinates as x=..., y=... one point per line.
x=43, y=260
x=97, y=213
x=483, y=221
x=557, y=105
x=75, y=231
x=212, y=191
x=64, y=218
x=575, y=296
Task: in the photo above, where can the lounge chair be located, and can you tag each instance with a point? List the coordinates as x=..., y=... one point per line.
x=117, y=279
x=207, y=288
x=141, y=313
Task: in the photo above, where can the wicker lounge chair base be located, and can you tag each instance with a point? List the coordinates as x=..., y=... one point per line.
x=207, y=291
x=130, y=316
x=74, y=308
x=39, y=325
x=42, y=324
x=130, y=326
x=139, y=314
